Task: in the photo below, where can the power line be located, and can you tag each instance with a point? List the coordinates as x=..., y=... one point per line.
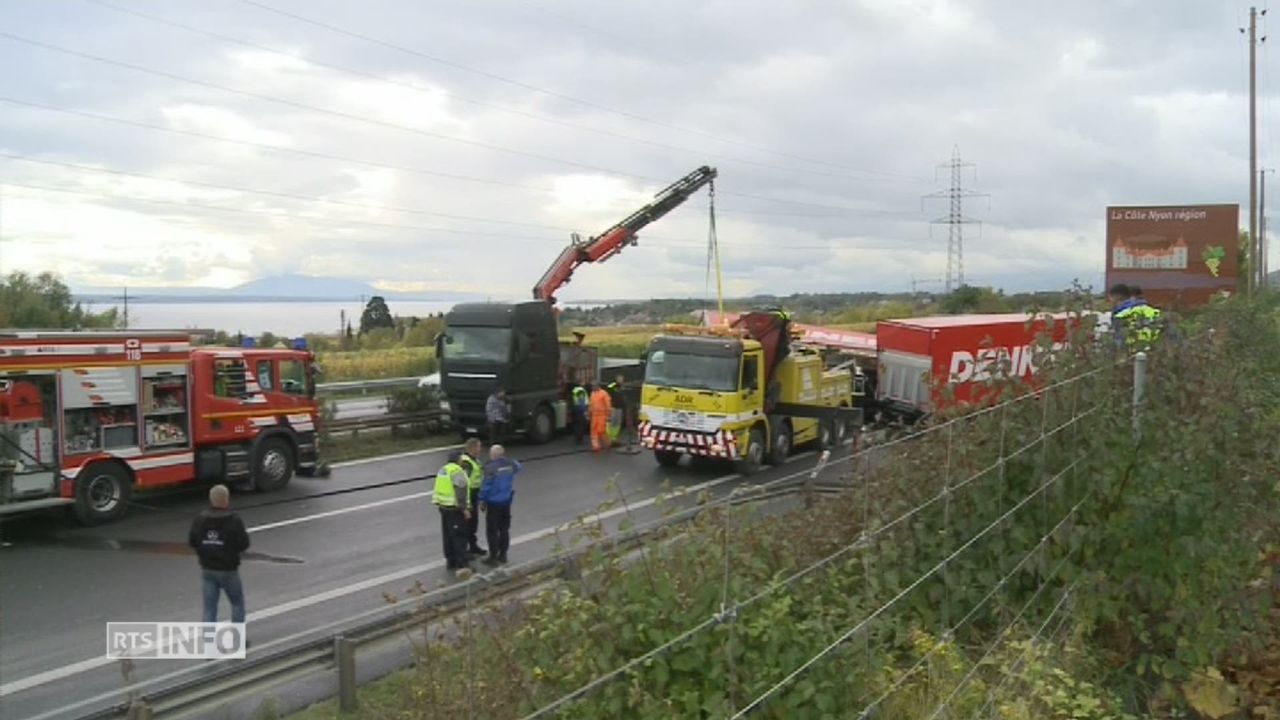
x=314, y=108
x=555, y=94
x=481, y=103
x=272, y=193
x=371, y=163
x=666, y=242
x=273, y=148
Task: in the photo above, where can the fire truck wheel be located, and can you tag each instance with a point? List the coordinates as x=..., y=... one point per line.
x=272, y=465
x=667, y=458
x=780, y=448
x=102, y=493
x=753, y=455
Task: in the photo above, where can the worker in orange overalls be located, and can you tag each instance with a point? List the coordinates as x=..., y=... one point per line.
x=601, y=408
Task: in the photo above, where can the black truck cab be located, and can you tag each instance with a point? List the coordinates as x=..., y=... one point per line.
x=514, y=346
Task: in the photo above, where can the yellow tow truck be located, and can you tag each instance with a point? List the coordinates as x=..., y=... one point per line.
x=742, y=393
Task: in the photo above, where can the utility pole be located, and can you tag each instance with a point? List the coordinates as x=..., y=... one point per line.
x=1255, y=243
x=1262, y=225
x=955, y=219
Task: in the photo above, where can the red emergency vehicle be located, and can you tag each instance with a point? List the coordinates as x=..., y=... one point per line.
x=89, y=417
x=919, y=357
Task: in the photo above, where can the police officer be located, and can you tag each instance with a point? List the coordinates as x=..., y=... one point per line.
x=470, y=462
x=1138, y=320
x=451, y=497
x=579, y=396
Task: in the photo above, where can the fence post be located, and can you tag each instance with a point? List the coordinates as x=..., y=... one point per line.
x=344, y=656
x=1139, y=389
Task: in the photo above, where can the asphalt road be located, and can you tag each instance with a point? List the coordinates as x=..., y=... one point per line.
x=323, y=550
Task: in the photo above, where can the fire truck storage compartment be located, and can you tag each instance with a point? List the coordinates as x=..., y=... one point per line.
x=28, y=434
x=165, y=406
x=100, y=409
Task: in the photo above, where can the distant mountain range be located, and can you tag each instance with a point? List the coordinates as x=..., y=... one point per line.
x=277, y=288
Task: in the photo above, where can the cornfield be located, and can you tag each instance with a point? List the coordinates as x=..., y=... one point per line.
x=376, y=364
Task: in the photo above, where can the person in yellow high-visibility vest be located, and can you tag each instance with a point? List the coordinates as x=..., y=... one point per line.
x=450, y=495
x=470, y=462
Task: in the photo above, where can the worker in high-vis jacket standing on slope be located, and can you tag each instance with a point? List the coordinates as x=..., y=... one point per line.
x=451, y=497
x=601, y=409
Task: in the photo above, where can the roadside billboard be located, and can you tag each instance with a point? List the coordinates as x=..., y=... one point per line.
x=1180, y=255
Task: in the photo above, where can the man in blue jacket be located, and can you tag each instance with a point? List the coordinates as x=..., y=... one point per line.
x=496, y=495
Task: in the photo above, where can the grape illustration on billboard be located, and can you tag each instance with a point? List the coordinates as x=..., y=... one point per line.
x=1213, y=258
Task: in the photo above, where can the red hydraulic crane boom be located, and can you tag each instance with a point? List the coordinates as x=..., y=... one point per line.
x=612, y=241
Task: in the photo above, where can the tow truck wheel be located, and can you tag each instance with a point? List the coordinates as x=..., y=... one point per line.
x=753, y=455
x=542, y=428
x=780, y=448
x=272, y=465
x=102, y=494
x=667, y=458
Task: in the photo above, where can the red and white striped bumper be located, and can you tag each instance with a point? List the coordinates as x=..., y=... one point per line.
x=720, y=444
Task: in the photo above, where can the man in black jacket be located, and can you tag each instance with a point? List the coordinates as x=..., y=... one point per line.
x=218, y=536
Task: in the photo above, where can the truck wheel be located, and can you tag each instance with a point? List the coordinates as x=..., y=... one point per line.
x=272, y=465
x=667, y=458
x=102, y=494
x=753, y=456
x=826, y=434
x=542, y=427
x=780, y=448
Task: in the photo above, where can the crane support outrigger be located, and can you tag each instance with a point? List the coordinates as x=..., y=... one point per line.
x=517, y=347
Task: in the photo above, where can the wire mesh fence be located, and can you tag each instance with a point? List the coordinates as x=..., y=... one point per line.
x=888, y=590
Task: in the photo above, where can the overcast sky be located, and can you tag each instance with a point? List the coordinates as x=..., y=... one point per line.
x=459, y=142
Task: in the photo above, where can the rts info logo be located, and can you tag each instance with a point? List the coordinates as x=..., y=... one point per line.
x=175, y=640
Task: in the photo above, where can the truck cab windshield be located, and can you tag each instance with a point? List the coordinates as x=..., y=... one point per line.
x=486, y=344
x=696, y=372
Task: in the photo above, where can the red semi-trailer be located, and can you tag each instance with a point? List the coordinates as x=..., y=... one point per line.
x=919, y=357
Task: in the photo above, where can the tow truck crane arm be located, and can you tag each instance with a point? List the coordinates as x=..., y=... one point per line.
x=612, y=241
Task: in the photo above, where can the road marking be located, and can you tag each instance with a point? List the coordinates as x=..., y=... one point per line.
x=342, y=511
x=73, y=669
x=395, y=456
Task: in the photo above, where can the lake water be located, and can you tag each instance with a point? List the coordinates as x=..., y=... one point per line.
x=288, y=319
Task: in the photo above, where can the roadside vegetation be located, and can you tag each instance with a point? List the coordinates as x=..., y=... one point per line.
x=1127, y=575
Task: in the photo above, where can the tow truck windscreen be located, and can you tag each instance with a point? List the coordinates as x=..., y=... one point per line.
x=694, y=372
x=486, y=344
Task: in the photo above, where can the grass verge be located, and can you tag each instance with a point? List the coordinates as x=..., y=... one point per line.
x=375, y=443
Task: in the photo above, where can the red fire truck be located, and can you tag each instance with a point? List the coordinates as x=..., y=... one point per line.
x=87, y=418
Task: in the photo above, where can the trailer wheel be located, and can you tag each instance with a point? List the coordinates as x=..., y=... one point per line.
x=780, y=448
x=753, y=455
x=667, y=458
x=272, y=465
x=542, y=428
x=102, y=493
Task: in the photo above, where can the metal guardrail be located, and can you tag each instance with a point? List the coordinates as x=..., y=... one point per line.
x=336, y=651
x=364, y=386
x=373, y=422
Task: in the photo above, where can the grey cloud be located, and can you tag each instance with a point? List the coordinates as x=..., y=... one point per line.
x=1065, y=108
